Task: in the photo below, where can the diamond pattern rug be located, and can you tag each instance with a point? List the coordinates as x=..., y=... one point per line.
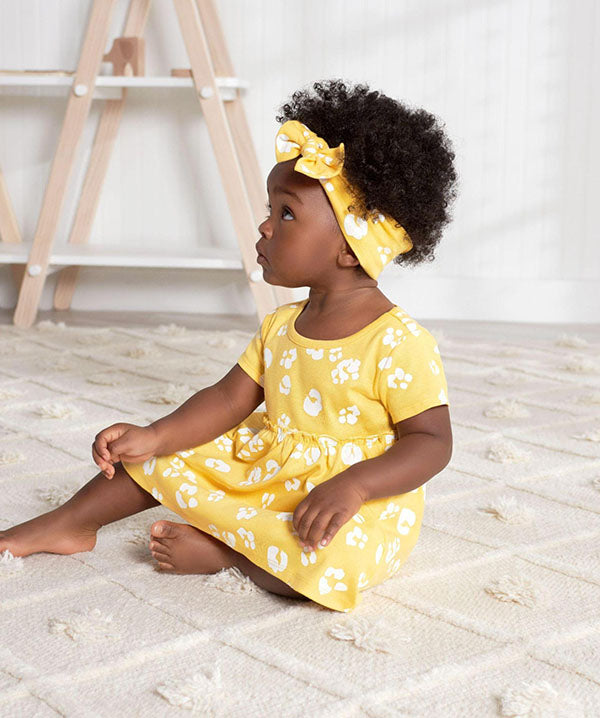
x=496, y=612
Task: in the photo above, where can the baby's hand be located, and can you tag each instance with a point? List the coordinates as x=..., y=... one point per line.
x=320, y=515
x=126, y=442
x=102, y=458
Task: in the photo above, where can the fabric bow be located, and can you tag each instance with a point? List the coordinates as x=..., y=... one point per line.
x=317, y=160
x=374, y=241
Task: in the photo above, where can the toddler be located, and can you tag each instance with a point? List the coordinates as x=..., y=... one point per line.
x=321, y=496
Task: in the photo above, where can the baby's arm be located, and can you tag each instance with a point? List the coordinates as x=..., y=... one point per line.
x=423, y=449
x=209, y=413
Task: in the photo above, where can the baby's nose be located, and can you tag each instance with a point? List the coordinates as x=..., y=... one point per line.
x=264, y=228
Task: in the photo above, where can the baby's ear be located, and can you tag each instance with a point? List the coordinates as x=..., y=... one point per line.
x=347, y=258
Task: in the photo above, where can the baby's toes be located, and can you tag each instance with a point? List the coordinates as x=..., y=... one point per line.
x=159, y=552
x=158, y=549
x=164, y=561
x=157, y=545
x=164, y=530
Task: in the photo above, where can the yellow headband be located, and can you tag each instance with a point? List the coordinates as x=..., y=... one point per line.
x=374, y=242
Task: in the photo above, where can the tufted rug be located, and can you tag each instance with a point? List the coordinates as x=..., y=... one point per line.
x=496, y=612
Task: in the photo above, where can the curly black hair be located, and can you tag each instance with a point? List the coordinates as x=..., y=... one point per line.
x=397, y=159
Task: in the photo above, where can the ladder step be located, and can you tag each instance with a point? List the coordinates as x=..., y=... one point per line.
x=91, y=255
x=18, y=84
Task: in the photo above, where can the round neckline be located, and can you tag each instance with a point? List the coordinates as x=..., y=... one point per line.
x=308, y=342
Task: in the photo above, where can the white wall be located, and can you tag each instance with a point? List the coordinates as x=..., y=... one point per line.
x=515, y=82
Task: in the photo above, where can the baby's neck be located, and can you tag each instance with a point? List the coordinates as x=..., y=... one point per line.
x=344, y=301
x=342, y=315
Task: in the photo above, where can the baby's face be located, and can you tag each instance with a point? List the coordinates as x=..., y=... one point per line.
x=300, y=238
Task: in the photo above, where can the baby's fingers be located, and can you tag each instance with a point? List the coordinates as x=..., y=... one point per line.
x=331, y=530
x=312, y=527
x=100, y=444
x=107, y=469
x=322, y=534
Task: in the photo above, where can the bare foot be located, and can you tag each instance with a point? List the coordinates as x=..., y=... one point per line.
x=52, y=532
x=181, y=548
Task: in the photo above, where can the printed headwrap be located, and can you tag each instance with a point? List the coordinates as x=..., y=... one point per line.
x=375, y=242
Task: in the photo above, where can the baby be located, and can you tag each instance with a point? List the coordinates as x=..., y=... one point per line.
x=321, y=495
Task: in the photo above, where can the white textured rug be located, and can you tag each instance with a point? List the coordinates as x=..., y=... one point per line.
x=496, y=612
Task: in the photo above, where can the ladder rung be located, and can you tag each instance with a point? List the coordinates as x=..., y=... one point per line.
x=40, y=80
x=93, y=255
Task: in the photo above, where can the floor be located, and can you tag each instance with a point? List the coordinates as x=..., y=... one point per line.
x=496, y=611
x=247, y=322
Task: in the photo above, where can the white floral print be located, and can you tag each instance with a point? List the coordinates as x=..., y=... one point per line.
x=346, y=369
x=288, y=358
x=399, y=379
x=349, y=415
x=393, y=337
x=328, y=405
x=313, y=403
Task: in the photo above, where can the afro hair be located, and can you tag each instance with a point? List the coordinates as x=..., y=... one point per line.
x=398, y=160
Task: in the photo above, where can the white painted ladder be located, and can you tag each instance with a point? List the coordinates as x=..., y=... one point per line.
x=217, y=90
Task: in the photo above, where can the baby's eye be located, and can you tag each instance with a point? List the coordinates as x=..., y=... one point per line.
x=268, y=208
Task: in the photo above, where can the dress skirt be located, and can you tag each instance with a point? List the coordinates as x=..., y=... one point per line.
x=243, y=488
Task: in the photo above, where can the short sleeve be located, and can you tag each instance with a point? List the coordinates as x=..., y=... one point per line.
x=252, y=360
x=411, y=377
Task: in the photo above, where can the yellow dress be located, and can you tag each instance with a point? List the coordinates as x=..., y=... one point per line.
x=329, y=404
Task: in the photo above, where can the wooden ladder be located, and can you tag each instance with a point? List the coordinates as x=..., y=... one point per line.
x=228, y=130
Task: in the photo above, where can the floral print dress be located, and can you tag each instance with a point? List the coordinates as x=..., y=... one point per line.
x=329, y=404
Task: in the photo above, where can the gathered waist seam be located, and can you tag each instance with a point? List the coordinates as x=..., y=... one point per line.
x=287, y=431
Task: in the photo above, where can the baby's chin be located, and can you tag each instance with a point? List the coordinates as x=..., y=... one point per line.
x=269, y=277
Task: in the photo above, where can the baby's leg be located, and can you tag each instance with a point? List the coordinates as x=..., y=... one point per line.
x=72, y=527
x=181, y=548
